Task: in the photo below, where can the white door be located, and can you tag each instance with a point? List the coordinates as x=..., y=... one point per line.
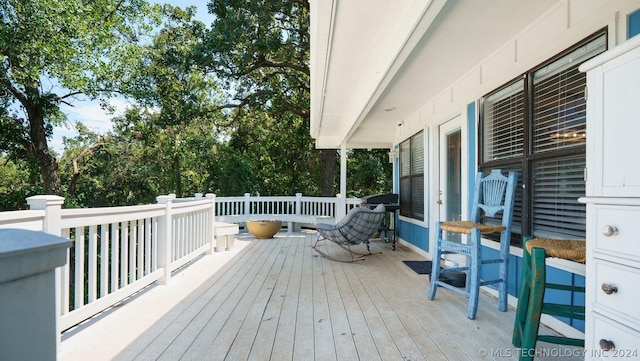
x=450, y=172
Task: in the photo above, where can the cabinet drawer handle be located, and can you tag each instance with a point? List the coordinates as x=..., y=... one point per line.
x=607, y=345
x=609, y=231
x=609, y=289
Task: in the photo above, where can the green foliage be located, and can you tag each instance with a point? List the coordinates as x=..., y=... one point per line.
x=368, y=172
x=261, y=51
x=222, y=111
x=16, y=183
x=54, y=50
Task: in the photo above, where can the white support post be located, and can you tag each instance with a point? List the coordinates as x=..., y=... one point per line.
x=164, y=238
x=247, y=205
x=28, y=289
x=298, y=203
x=212, y=222
x=341, y=206
x=295, y=226
x=343, y=171
x=52, y=206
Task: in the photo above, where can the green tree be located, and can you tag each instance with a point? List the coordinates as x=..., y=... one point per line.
x=260, y=50
x=183, y=93
x=52, y=51
x=368, y=172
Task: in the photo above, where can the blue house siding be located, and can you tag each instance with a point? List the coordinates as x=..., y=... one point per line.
x=633, y=24
x=414, y=234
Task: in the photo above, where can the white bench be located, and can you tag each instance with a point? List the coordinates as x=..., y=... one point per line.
x=225, y=235
x=294, y=221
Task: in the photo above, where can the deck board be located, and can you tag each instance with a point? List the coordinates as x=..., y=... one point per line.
x=278, y=300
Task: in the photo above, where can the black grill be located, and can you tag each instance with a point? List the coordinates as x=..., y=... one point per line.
x=391, y=204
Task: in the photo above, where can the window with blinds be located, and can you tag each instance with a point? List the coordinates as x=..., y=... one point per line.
x=503, y=122
x=536, y=125
x=559, y=106
x=412, y=177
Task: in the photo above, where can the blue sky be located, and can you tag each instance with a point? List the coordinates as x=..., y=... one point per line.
x=90, y=113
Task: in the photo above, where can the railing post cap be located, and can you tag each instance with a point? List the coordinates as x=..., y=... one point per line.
x=45, y=200
x=164, y=199
x=210, y=195
x=24, y=253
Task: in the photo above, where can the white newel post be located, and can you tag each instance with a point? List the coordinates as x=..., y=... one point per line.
x=164, y=238
x=212, y=223
x=247, y=205
x=30, y=310
x=341, y=206
x=52, y=207
x=298, y=203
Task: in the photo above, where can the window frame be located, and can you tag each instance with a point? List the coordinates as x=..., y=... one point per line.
x=410, y=205
x=523, y=223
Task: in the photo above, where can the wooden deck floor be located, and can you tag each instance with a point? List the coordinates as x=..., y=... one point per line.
x=277, y=300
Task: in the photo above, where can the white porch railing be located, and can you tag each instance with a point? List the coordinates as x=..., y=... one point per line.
x=242, y=209
x=118, y=251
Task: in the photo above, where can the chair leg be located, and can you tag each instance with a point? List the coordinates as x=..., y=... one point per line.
x=530, y=308
x=523, y=299
x=503, y=292
x=360, y=256
x=435, y=267
x=474, y=273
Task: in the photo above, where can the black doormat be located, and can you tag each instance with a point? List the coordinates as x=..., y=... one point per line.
x=419, y=267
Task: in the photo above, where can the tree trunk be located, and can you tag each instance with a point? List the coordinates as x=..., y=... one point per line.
x=40, y=150
x=329, y=165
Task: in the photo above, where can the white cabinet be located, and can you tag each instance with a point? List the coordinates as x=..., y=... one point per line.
x=612, y=326
x=613, y=122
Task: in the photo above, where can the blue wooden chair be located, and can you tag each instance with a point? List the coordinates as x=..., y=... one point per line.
x=493, y=194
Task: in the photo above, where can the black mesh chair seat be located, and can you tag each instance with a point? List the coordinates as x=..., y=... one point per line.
x=357, y=227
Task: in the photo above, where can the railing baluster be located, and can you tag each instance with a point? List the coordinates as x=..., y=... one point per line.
x=124, y=254
x=78, y=280
x=92, y=277
x=133, y=234
x=65, y=279
x=154, y=244
x=147, y=246
x=104, y=259
x=115, y=251
x=141, y=249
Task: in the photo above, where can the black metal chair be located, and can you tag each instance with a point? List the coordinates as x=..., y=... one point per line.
x=357, y=227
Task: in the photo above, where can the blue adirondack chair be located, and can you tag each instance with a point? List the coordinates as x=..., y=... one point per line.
x=493, y=194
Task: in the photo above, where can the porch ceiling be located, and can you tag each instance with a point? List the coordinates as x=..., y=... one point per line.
x=368, y=56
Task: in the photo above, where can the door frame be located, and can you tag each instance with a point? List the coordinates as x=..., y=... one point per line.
x=449, y=124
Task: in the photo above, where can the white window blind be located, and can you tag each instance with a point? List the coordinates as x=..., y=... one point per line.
x=557, y=185
x=412, y=177
x=559, y=106
x=548, y=107
x=503, y=123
